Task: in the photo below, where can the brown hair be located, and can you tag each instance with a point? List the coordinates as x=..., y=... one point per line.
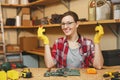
x=71, y=13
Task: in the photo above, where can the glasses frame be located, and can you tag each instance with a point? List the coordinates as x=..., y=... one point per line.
x=67, y=24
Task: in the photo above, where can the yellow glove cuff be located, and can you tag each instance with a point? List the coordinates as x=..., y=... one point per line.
x=46, y=41
x=96, y=40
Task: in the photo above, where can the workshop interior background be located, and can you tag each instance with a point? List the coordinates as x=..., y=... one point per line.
x=12, y=36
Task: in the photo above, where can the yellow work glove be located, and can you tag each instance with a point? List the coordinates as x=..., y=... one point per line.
x=13, y=75
x=42, y=36
x=3, y=75
x=99, y=33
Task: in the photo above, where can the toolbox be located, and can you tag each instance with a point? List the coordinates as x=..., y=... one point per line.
x=111, y=57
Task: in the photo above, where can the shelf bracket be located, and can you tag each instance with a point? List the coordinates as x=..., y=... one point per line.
x=118, y=38
x=113, y=31
x=117, y=34
x=18, y=32
x=42, y=9
x=66, y=3
x=18, y=10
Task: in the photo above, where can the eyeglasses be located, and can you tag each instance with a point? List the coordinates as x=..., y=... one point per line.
x=67, y=24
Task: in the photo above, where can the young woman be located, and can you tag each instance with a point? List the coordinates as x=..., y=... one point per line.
x=73, y=50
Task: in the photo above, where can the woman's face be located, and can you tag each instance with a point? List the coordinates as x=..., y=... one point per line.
x=68, y=25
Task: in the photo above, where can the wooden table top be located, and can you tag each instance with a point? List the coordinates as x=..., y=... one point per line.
x=38, y=74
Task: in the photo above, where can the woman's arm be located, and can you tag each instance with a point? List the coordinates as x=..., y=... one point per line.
x=98, y=58
x=48, y=58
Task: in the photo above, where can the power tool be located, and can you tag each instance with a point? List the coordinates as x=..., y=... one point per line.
x=26, y=73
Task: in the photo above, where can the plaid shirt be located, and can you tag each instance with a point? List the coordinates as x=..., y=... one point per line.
x=60, y=50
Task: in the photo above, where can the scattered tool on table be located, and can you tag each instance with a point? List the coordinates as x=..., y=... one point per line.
x=91, y=71
x=62, y=72
x=26, y=73
x=112, y=75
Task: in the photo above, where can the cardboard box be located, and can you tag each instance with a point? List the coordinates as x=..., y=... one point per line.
x=26, y=17
x=25, y=10
x=26, y=23
x=13, y=48
x=28, y=43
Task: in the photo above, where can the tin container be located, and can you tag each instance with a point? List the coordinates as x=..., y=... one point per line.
x=24, y=2
x=116, y=11
x=13, y=2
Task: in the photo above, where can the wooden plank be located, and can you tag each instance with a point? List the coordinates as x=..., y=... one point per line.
x=41, y=53
x=38, y=2
x=99, y=21
x=43, y=2
x=26, y=27
x=58, y=25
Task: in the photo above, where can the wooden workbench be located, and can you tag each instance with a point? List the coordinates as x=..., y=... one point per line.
x=38, y=74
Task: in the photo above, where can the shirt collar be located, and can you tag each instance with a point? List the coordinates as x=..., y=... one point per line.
x=79, y=39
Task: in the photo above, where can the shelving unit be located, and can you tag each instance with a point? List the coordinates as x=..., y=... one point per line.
x=82, y=24
x=46, y=2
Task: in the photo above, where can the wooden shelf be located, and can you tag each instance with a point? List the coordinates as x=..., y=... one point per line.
x=99, y=21
x=58, y=25
x=43, y=2
x=40, y=51
x=28, y=27
x=38, y=2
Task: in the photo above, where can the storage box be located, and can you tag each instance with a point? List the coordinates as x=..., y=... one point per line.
x=26, y=23
x=28, y=43
x=111, y=57
x=13, y=1
x=116, y=11
x=13, y=48
x=24, y=2
x=25, y=10
x=26, y=17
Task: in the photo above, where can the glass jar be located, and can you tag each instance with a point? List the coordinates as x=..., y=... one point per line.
x=99, y=10
x=92, y=10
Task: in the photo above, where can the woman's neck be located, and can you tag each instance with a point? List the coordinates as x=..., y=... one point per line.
x=73, y=38
x=72, y=41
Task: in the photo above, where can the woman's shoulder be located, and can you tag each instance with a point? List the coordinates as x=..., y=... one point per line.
x=61, y=39
x=86, y=39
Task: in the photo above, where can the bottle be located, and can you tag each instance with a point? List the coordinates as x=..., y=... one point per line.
x=103, y=10
x=92, y=10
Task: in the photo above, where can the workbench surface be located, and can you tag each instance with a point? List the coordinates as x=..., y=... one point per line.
x=38, y=74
